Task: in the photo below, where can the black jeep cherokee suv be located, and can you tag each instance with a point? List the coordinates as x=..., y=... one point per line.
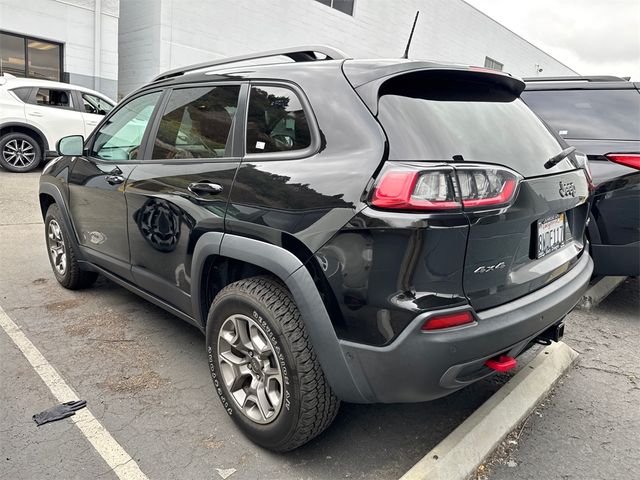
x=365, y=231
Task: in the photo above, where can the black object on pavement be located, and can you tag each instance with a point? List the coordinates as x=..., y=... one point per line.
x=59, y=412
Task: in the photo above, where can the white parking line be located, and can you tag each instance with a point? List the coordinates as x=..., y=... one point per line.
x=120, y=461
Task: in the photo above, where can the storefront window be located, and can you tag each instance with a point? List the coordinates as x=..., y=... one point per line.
x=12, y=55
x=44, y=59
x=30, y=57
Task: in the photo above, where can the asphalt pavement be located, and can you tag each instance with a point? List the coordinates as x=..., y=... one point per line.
x=144, y=375
x=589, y=427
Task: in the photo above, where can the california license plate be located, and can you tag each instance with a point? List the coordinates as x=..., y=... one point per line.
x=550, y=234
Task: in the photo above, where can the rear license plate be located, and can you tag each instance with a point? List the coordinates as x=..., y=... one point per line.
x=550, y=234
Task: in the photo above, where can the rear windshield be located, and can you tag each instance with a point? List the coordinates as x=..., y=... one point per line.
x=589, y=114
x=482, y=124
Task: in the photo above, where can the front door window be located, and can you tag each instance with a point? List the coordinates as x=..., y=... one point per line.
x=95, y=105
x=121, y=136
x=196, y=123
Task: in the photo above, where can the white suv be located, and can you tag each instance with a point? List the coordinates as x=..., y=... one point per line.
x=35, y=114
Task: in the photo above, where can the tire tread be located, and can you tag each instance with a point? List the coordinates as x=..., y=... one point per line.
x=319, y=406
x=77, y=278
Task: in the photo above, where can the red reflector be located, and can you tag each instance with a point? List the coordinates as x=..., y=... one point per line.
x=448, y=321
x=504, y=363
x=627, y=159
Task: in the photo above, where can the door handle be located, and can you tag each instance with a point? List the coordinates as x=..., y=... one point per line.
x=35, y=114
x=205, y=188
x=114, y=179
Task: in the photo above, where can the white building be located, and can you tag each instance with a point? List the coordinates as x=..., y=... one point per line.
x=157, y=35
x=116, y=46
x=75, y=41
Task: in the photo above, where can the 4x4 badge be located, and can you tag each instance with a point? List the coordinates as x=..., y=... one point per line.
x=567, y=189
x=490, y=268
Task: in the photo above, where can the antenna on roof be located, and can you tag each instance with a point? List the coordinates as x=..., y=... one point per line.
x=406, y=50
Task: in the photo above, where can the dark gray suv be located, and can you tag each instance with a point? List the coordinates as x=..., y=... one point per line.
x=341, y=230
x=600, y=116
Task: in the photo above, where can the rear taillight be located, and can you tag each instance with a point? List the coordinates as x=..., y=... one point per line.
x=481, y=187
x=415, y=190
x=447, y=321
x=445, y=188
x=627, y=159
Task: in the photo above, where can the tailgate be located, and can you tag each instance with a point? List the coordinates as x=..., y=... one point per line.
x=510, y=253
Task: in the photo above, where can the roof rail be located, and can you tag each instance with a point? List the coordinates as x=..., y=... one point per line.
x=297, y=54
x=578, y=78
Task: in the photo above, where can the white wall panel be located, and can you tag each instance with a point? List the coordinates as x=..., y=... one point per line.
x=190, y=31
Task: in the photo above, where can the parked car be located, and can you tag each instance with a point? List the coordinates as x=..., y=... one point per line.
x=600, y=116
x=35, y=114
x=340, y=230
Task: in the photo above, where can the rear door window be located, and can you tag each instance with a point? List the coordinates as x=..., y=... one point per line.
x=196, y=123
x=276, y=121
x=22, y=93
x=54, y=98
x=589, y=114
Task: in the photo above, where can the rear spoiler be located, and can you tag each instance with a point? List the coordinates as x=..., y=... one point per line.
x=414, y=73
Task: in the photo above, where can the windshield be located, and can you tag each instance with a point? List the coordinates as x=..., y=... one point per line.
x=462, y=118
x=589, y=114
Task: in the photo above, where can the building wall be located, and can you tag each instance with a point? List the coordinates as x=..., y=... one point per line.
x=90, y=60
x=182, y=32
x=138, y=43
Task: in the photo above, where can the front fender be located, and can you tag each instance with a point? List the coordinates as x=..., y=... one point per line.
x=53, y=191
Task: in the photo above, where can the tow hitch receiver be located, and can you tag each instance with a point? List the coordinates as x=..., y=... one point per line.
x=552, y=334
x=503, y=363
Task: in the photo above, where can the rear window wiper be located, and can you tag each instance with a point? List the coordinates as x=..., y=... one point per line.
x=553, y=161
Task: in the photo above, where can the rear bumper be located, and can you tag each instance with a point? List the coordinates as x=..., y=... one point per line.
x=420, y=366
x=616, y=259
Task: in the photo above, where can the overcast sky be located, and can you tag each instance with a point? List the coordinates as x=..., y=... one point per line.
x=593, y=37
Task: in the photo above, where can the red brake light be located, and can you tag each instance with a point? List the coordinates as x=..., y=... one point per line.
x=447, y=321
x=445, y=188
x=627, y=159
x=415, y=190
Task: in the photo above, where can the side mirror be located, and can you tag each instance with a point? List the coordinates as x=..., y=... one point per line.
x=73, y=145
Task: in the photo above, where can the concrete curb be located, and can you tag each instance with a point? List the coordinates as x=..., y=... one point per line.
x=599, y=291
x=458, y=455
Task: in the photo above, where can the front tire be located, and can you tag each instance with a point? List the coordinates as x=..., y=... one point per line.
x=19, y=152
x=62, y=254
x=263, y=365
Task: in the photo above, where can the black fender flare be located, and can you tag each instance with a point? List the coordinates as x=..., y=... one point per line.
x=43, y=138
x=286, y=266
x=53, y=191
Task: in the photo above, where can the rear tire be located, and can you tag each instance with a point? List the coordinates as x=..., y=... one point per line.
x=62, y=254
x=19, y=152
x=274, y=345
